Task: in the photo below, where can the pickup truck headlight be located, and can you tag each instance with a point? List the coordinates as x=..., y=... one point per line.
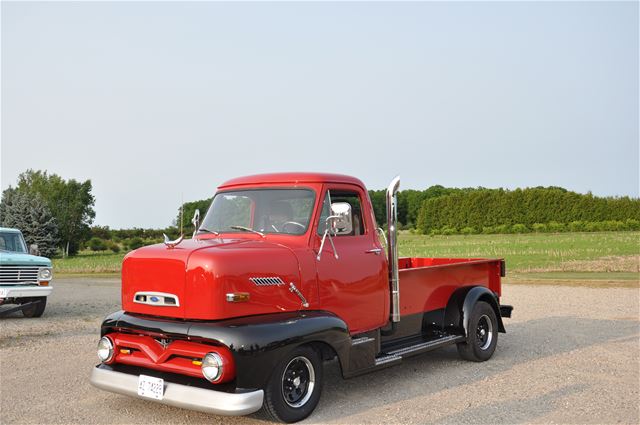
x=212, y=366
x=45, y=274
x=105, y=349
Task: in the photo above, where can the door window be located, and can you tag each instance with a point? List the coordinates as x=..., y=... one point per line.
x=343, y=196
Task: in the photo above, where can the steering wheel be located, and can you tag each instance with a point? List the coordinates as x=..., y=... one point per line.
x=295, y=223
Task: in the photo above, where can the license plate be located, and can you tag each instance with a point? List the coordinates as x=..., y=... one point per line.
x=150, y=387
x=3, y=292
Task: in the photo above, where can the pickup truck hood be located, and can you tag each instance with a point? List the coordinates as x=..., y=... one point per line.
x=192, y=280
x=8, y=258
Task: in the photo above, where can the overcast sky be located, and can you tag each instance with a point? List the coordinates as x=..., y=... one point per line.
x=158, y=101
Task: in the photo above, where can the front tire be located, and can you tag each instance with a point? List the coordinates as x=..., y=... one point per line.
x=482, y=335
x=295, y=386
x=35, y=310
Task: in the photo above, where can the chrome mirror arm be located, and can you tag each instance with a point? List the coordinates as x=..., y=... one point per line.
x=324, y=237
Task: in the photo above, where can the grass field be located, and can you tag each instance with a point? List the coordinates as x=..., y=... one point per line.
x=568, y=256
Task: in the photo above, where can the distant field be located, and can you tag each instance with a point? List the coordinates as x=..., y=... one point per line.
x=89, y=262
x=572, y=256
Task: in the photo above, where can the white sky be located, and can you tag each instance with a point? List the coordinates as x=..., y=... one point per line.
x=154, y=101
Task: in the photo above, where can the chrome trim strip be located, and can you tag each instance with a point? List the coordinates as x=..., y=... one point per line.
x=186, y=397
x=362, y=340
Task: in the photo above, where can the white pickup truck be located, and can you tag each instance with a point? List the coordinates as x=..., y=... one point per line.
x=24, y=278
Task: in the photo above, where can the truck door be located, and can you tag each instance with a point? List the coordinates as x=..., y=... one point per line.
x=355, y=285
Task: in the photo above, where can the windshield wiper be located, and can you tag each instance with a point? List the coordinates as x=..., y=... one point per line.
x=247, y=229
x=202, y=229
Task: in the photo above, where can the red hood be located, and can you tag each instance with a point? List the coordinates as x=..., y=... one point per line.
x=198, y=274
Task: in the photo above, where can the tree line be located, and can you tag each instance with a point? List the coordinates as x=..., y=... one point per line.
x=56, y=214
x=53, y=213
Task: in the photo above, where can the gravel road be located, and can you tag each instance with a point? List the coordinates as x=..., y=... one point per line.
x=570, y=356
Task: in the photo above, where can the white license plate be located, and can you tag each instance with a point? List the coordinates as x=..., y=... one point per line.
x=150, y=387
x=3, y=292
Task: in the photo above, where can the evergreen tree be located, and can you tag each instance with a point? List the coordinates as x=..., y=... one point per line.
x=29, y=214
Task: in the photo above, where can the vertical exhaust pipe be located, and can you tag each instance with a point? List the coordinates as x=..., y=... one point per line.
x=392, y=247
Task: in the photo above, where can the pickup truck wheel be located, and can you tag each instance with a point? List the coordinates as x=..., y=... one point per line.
x=483, y=334
x=37, y=309
x=294, y=388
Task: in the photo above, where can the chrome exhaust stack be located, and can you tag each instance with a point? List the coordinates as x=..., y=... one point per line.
x=392, y=247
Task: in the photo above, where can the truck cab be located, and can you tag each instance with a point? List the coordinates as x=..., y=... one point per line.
x=24, y=278
x=285, y=271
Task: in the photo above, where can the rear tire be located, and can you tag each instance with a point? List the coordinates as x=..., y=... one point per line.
x=295, y=386
x=35, y=310
x=482, y=335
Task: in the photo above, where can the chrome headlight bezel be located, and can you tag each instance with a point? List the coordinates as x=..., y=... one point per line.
x=212, y=366
x=105, y=344
x=45, y=274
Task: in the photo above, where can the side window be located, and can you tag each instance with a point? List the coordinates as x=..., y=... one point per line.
x=349, y=197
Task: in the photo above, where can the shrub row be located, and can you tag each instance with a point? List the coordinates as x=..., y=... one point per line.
x=551, y=227
x=490, y=208
x=129, y=244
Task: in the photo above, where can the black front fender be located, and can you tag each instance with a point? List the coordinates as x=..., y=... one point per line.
x=257, y=343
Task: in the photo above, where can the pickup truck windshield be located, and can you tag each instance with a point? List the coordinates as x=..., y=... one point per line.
x=12, y=242
x=283, y=211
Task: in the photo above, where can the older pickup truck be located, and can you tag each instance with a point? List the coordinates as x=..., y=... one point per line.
x=24, y=278
x=284, y=272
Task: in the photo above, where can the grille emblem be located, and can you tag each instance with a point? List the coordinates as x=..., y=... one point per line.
x=158, y=299
x=164, y=342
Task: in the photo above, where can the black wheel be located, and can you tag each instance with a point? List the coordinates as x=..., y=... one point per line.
x=294, y=388
x=483, y=334
x=35, y=310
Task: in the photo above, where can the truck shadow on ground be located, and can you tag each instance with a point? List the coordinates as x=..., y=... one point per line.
x=442, y=370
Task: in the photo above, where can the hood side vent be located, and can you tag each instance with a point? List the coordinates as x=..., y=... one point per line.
x=267, y=281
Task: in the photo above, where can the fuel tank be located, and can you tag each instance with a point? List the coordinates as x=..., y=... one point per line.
x=211, y=279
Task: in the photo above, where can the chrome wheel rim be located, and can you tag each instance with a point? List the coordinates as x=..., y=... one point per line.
x=484, y=332
x=298, y=381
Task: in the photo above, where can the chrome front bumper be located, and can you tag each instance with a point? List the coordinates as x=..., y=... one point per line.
x=23, y=291
x=184, y=396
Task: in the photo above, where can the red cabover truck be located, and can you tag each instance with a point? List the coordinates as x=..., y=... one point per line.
x=287, y=271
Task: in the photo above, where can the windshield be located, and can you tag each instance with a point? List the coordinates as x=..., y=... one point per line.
x=284, y=211
x=13, y=242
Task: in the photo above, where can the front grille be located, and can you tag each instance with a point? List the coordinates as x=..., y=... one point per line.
x=19, y=274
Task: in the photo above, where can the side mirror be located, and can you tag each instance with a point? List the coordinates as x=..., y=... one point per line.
x=195, y=221
x=342, y=220
x=34, y=250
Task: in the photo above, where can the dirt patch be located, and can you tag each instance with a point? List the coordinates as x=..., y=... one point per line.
x=628, y=263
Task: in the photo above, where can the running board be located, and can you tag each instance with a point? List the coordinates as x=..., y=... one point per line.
x=397, y=354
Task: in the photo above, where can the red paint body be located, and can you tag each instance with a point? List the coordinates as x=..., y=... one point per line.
x=355, y=287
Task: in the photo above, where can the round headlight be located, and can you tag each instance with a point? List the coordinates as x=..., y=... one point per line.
x=212, y=366
x=45, y=273
x=105, y=349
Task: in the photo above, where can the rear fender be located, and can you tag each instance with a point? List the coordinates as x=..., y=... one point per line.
x=460, y=306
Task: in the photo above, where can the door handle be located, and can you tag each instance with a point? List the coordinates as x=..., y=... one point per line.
x=376, y=251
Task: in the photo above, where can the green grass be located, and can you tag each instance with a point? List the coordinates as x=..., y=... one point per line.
x=89, y=262
x=574, y=256
x=533, y=252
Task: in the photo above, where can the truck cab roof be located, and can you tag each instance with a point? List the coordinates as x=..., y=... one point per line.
x=291, y=178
